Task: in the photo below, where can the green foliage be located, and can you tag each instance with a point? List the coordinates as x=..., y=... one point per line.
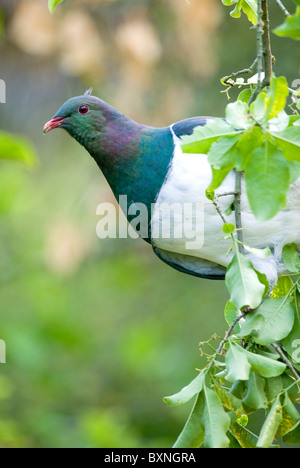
x=255, y=366
x=248, y=6
x=260, y=140
x=243, y=284
x=291, y=27
x=52, y=4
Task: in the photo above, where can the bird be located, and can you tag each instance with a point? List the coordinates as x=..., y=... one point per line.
x=147, y=167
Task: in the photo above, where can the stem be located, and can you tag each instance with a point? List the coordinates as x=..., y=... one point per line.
x=230, y=330
x=282, y=7
x=266, y=42
x=237, y=209
x=264, y=53
x=286, y=360
x=228, y=79
x=259, y=43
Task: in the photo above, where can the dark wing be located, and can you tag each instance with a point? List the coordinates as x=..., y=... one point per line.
x=191, y=265
x=186, y=127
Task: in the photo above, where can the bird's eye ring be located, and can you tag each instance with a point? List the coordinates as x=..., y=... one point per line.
x=83, y=109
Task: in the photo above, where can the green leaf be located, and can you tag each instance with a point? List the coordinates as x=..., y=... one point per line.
x=294, y=168
x=262, y=365
x=255, y=397
x=267, y=180
x=192, y=435
x=289, y=142
x=229, y=401
x=230, y=313
x=218, y=177
x=248, y=142
x=271, y=322
x=187, y=393
x=290, y=28
x=248, y=6
x=282, y=288
x=276, y=98
x=263, y=279
x=243, y=284
x=204, y=136
x=265, y=366
x=215, y=420
x=228, y=228
x=293, y=435
x=290, y=408
x=245, y=438
x=271, y=425
x=17, y=148
x=237, y=365
x=287, y=422
x=238, y=389
x=258, y=107
x=221, y=154
x=274, y=386
x=291, y=258
x=52, y=4
x=279, y=123
x=245, y=95
x=238, y=115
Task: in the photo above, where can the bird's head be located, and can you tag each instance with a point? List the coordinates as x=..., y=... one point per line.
x=84, y=118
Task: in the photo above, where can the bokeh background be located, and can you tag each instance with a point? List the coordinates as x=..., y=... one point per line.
x=99, y=331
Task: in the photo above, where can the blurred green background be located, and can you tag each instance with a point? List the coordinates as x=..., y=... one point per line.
x=99, y=331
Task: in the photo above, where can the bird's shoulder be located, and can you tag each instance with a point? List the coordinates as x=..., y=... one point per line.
x=186, y=126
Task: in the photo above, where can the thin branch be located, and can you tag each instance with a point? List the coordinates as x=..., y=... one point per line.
x=286, y=360
x=259, y=47
x=237, y=209
x=259, y=44
x=266, y=42
x=230, y=330
x=282, y=7
x=228, y=79
x=264, y=53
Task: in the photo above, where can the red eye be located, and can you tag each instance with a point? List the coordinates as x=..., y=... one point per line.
x=83, y=109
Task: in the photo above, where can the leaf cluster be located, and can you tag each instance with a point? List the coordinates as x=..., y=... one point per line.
x=291, y=26
x=261, y=140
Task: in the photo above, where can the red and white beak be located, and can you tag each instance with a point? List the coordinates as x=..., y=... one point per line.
x=56, y=122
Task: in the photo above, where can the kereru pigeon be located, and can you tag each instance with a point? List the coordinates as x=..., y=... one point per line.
x=147, y=165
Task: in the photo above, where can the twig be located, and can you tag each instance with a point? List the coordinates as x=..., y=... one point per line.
x=282, y=7
x=227, y=79
x=237, y=209
x=264, y=53
x=230, y=330
x=286, y=360
x=259, y=47
x=259, y=44
x=266, y=42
